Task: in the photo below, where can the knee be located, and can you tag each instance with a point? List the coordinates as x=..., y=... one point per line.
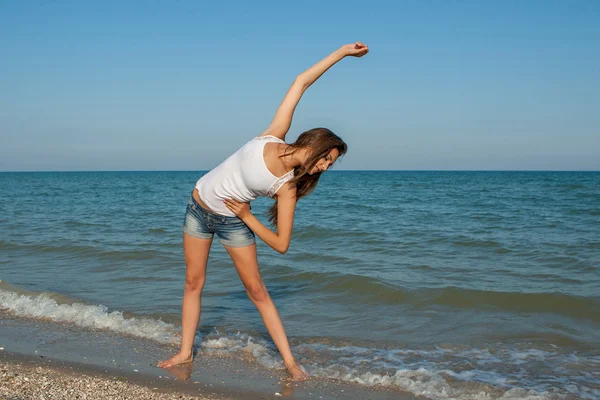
x=194, y=284
x=257, y=292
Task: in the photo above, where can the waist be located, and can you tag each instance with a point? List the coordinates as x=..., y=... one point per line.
x=205, y=208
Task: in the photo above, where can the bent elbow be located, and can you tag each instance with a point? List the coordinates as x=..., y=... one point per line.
x=301, y=81
x=283, y=249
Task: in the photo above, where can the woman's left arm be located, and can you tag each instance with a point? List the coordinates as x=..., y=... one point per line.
x=286, y=206
x=283, y=117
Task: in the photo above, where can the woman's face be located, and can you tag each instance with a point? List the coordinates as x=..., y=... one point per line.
x=325, y=162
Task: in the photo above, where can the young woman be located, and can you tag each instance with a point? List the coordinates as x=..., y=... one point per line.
x=220, y=203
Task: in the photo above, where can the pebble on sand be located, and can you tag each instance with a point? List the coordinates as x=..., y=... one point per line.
x=31, y=381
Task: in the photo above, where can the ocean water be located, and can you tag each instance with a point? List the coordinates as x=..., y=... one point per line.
x=465, y=285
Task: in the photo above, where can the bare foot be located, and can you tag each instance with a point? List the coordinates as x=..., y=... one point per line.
x=179, y=358
x=297, y=372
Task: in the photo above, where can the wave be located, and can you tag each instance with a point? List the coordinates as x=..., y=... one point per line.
x=377, y=291
x=48, y=306
x=317, y=232
x=157, y=230
x=554, y=302
x=95, y=252
x=467, y=242
x=76, y=223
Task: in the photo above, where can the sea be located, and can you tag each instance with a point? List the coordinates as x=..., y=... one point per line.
x=439, y=284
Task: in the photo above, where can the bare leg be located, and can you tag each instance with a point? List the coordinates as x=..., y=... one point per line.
x=246, y=263
x=196, y=256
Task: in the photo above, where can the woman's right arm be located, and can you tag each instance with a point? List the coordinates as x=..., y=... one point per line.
x=286, y=206
x=283, y=117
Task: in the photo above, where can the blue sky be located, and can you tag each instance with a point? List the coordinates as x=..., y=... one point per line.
x=179, y=85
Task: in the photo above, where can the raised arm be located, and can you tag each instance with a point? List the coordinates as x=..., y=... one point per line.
x=286, y=207
x=283, y=117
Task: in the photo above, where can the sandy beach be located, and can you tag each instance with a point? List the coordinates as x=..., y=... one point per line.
x=26, y=378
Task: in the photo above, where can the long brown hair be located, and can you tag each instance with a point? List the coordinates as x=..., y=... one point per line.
x=320, y=141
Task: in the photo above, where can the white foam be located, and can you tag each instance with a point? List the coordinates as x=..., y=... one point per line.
x=218, y=344
x=454, y=373
x=425, y=383
x=87, y=316
x=247, y=344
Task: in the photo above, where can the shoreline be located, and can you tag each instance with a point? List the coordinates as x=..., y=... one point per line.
x=24, y=376
x=66, y=360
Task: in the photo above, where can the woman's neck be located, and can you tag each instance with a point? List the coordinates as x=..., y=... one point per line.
x=292, y=159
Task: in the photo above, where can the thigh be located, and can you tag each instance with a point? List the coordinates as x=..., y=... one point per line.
x=196, y=252
x=246, y=263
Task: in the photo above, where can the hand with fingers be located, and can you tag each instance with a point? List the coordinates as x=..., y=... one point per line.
x=242, y=210
x=357, y=49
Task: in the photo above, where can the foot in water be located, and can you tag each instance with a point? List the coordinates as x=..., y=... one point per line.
x=182, y=372
x=297, y=372
x=179, y=358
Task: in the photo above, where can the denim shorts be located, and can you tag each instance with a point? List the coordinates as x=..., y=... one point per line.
x=203, y=224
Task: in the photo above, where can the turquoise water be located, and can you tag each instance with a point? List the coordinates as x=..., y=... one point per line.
x=444, y=284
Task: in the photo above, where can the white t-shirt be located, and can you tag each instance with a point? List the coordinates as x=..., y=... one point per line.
x=243, y=176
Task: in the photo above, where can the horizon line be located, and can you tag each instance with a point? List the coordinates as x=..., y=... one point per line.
x=335, y=170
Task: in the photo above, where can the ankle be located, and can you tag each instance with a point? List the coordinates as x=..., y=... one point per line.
x=187, y=353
